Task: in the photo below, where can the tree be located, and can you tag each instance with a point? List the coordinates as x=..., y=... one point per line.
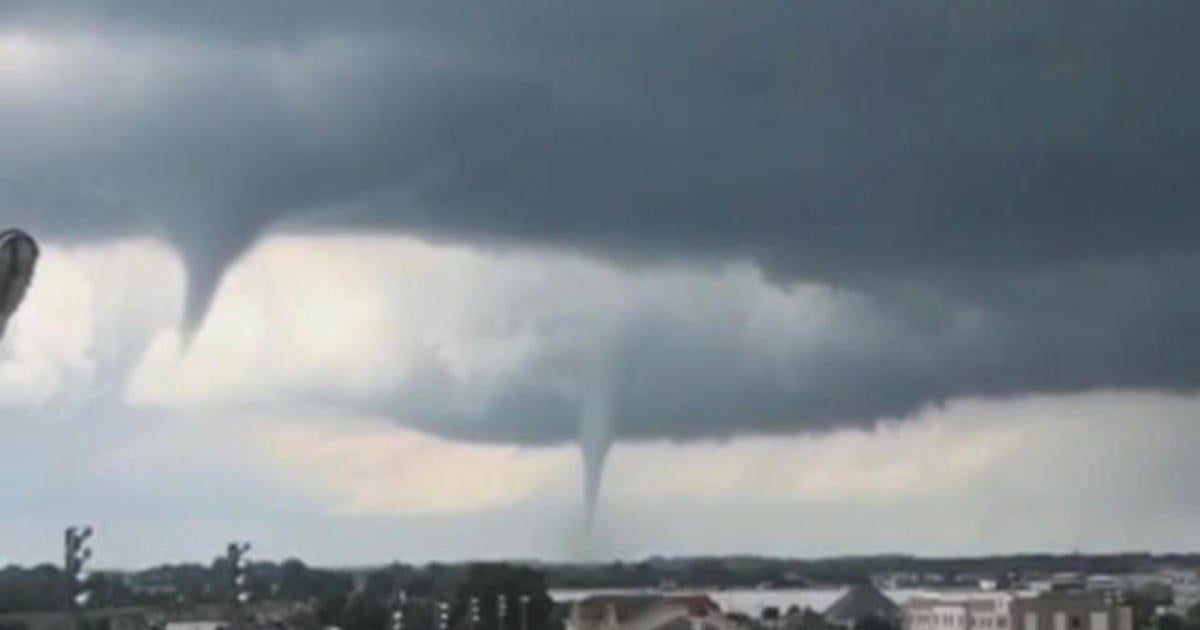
x=1193, y=616
x=39, y=588
x=295, y=580
x=1170, y=622
x=1144, y=606
x=707, y=572
x=381, y=585
x=488, y=582
x=107, y=591
x=331, y=608
x=362, y=613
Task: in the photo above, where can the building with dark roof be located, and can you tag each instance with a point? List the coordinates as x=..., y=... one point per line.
x=861, y=602
x=807, y=619
x=647, y=612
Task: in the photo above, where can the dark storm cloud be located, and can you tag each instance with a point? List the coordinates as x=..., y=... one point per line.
x=1012, y=186
x=704, y=364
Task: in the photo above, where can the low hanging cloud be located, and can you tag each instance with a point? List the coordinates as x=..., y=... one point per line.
x=316, y=344
x=86, y=321
x=510, y=347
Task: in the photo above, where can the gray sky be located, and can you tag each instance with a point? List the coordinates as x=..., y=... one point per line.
x=731, y=240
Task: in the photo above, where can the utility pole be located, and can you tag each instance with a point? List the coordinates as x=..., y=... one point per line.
x=235, y=556
x=443, y=616
x=75, y=555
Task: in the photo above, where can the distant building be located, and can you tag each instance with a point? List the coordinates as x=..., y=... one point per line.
x=807, y=619
x=195, y=625
x=997, y=610
x=860, y=602
x=1061, y=582
x=1185, y=590
x=961, y=610
x=647, y=612
x=894, y=581
x=1071, y=611
x=742, y=621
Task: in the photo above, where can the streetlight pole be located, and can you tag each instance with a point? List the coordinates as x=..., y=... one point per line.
x=501, y=610
x=75, y=555
x=524, y=612
x=398, y=610
x=235, y=556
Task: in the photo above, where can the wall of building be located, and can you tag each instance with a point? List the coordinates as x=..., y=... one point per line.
x=986, y=610
x=1070, y=612
x=982, y=610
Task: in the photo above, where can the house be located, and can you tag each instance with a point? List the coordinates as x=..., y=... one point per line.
x=1071, y=611
x=647, y=612
x=1029, y=610
x=960, y=610
x=1185, y=590
x=860, y=602
x=807, y=619
x=211, y=624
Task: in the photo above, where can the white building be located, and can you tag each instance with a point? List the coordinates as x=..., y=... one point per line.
x=647, y=612
x=1071, y=611
x=998, y=610
x=1185, y=589
x=960, y=610
x=195, y=625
